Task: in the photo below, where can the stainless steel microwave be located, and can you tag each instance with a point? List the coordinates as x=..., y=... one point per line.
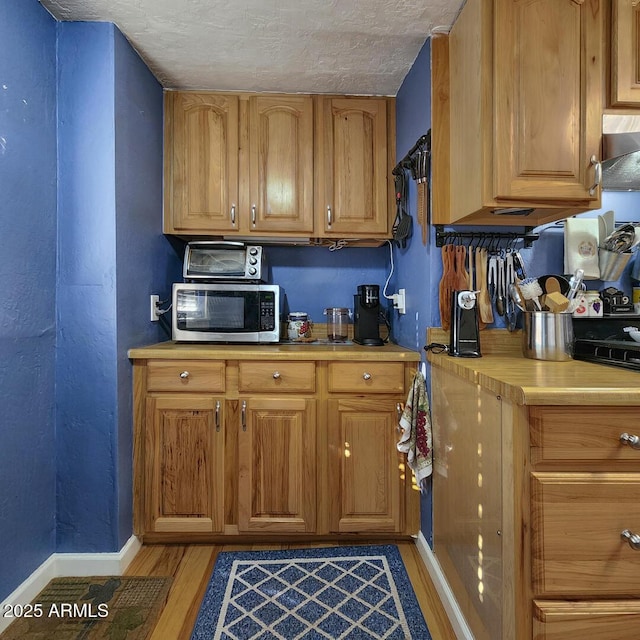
x=212, y=312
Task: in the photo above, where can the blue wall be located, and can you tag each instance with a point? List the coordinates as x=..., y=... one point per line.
x=111, y=257
x=27, y=288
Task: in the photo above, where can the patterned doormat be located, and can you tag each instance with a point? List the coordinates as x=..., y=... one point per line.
x=350, y=593
x=94, y=608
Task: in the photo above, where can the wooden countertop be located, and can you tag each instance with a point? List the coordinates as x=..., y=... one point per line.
x=506, y=372
x=284, y=351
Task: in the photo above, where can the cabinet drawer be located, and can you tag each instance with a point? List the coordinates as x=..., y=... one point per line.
x=576, y=522
x=277, y=376
x=582, y=434
x=366, y=377
x=605, y=620
x=185, y=375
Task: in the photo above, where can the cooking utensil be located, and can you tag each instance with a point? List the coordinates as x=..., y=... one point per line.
x=447, y=285
x=421, y=194
x=516, y=298
x=621, y=239
x=500, y=289
x=531, y=290
x=484, y=302
x=462, y=276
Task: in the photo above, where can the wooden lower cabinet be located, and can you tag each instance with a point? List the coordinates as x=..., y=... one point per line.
x=184, y=465
x=570, y=486
x=253, y=447
x=364, y=465
x=604, y=620
x=277, y=465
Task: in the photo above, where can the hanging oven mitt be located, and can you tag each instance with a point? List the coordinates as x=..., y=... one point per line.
x=581, y=246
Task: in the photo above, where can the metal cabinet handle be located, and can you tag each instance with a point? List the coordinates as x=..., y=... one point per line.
x=243, y=414
x=598, y=174
x=632, y=538
x=253, y=215
x=399, y=410
x=276, y=375
x=184, y=375
x=632, y=441
x=366, y=376
x=329, y=217
x=233, y=215
x=217, y=415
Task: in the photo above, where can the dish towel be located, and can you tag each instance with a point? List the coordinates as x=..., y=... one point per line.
x=416, y=440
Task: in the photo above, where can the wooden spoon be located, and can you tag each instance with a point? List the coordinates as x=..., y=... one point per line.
x=462, y=277
x=447, y=284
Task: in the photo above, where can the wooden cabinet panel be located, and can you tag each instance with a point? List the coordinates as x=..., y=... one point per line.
x=185, y=375
x=201, y=162
x=281, y=163
x=364, y=466
x=548, y=81
x=276, y=376
x=577, y=519
x=277, y=465
x=604, y=620
x=184, y=464
x=353, y=170
x=366, y=377
x=518, y=101
x=558, y=435
x=625, y=53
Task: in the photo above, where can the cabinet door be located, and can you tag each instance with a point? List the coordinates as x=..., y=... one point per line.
x=351, y=155
x=548, y=98
x=281, y=163
x=184, y=458
x=364, y=466
x=277, y=459
x=201, y=162
x=625, y=53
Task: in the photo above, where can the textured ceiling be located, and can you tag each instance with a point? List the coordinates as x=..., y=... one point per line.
x=310, y=46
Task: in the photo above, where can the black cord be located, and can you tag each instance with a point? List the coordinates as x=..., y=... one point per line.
x=437, y=347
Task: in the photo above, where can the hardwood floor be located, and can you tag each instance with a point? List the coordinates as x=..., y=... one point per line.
x=191, y=567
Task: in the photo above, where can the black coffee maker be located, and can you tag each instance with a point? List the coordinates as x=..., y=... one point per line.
x=366, y=315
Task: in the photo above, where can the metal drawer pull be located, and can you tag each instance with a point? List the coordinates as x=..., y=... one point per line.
x=276, y=375
x=366, y=376
x=217, y=415
x=244, y=415
x=184, y=375
x=632, y=441
x=253, y=215
x=598, y=174
x=399, y=410
x=329, y=220
x=233, y=215
x=632, y=538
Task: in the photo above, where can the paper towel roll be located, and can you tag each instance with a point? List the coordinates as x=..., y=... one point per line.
x=581, y=246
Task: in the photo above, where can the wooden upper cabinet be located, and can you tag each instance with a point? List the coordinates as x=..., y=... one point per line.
x=201, y=162
x=280, y=146
x=517, y=106
x=625, y=53
x=352, y=167
x=548, y=83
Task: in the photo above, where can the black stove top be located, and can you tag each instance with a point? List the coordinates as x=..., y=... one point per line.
x=619, y=353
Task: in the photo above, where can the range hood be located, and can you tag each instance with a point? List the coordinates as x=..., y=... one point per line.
x=621, y=153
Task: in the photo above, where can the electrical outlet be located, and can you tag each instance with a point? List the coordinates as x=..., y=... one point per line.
x=399, y=301
x=154, y=301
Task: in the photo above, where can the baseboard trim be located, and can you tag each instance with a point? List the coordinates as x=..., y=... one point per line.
x=459, y=624
x=60, y=565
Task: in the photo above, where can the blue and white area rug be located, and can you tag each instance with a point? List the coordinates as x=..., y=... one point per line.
x=350, y=593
